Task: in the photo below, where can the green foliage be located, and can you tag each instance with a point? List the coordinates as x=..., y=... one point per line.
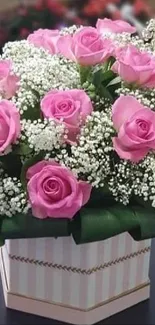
x=101, y=219
x=28, y=163
x=23, y=149
x=11, y=164
x=102, y=79
x=100, y=223
x=115, y=81
x=85, y=73
x=27, y=226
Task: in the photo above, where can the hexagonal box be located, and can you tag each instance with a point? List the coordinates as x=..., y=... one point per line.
x=82, y=284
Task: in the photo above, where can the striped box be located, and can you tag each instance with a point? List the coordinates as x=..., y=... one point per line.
x=76, y=284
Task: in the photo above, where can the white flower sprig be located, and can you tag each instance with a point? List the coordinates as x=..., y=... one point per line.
x=144, y=96
x=90, y=158
x=13, y=199
x=44, y=135
x=130, y=179
x=39, y=72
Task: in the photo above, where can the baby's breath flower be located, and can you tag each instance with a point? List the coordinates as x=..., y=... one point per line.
x=145, y=96
x=39, y=72
x=130, y=179
x=90, y=158
x=43, y=135
x=13, y=199
x=70, y=30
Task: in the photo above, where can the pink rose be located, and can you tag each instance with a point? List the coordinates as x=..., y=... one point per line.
x=136, y=128
x=71, y=106
x=54, y=191
x=8, y=81
x=86, y=47
x=45, y=38
x=114, y=26
x=135, y=66
x=9, y=124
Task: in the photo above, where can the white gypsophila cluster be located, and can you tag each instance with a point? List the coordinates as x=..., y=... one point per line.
x=124, y=39
x=149, y=32
x=146, y=188
x=131, y=179
x=90, y=158
x=43, y=135
x=39, y=72
x=120, y=182
x=145, y=96
x=13, y=199
x=141, y=44
x=121, y=39
x=70, y=30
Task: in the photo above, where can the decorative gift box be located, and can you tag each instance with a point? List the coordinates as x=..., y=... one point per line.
x=77, y=284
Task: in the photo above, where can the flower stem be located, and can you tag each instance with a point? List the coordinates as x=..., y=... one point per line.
x=85, y=73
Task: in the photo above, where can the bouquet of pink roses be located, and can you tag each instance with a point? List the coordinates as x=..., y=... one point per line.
x=77, y=133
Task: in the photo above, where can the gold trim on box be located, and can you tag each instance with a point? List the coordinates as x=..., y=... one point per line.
x=75, y=269
x=126, y=293
x=103, y=303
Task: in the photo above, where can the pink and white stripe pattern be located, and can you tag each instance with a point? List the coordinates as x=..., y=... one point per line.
x=73, y=288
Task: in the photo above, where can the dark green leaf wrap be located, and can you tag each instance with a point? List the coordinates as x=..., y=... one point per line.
x=90, y=224
x=95, y=224
x=26, y=226
x=2, y=241
x=145, y=223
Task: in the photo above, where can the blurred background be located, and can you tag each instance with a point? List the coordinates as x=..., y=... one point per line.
x=18, y=18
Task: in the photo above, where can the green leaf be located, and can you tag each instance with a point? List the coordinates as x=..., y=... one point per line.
x=146, y=223
x=101, y=197
x=23, y=149
x=85, y=73
x=95, y=224
x=104, y=92
x=101, y=76
x=97, y=77
x=2, y=242
x=91, y=224
x=28, y=164
x=108, y=75
x=100, y=80
x=115, y=81
x=12, y=164
x=33, y=113
x=1, y=239
x=27, y=226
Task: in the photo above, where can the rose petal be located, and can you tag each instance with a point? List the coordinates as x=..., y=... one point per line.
x=64, y=45
x=115, y=26
x=151, y=81
x=144, y=75
x=45, y=38
x=132, y=155
x=86, y=191
x=92, y=59
x=38, y=212
x=72, y=193
x=144, y=113
x=84, y=31
x=10, y=115
x=35, y=169
x=127, y=73
x=123, y=109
